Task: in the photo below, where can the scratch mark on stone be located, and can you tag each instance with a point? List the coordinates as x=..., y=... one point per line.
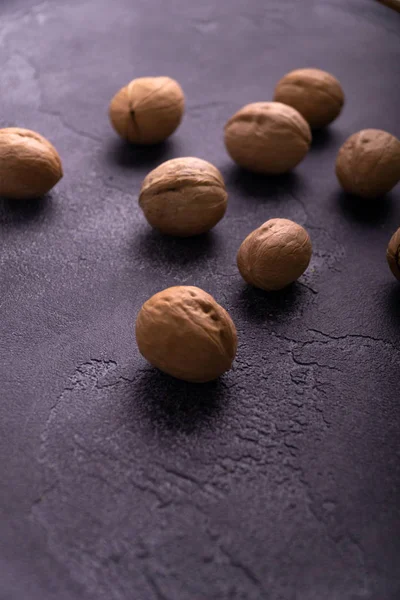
x=310, y=363
x=179, y=474
x=308, y=287
x=155, y=586
x=43, y=495
x=250, y=576
x=351, y=335
x=79, y=132
x=299, y=201
x=75, y=381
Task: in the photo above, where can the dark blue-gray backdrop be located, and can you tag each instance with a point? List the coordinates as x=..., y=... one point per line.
x=281, y=480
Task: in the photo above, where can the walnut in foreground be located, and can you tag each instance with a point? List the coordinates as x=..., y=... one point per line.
x=183, y=197
x=267, y=137
x=393, y=254
x=316, y=94
x=275, y=254
x=184, y=332
x=29, y=164
x=368, y=163
x=147, y=110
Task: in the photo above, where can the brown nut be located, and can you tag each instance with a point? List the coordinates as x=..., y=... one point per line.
x=368, y=163
x=275, y=254
x=183, y=197
x=184, y=332
x=267, y=137
x=393, y=254
x=316, y=94
x=147, y=110
x=29, y=164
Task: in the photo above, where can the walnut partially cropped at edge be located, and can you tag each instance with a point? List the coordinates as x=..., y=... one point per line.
x=275, y=254
x=368, y=163
x=393, y=254
x=184, y=332
x=183, y=197
x=316, y=94
x=147, y=110
x=267, y=137
x=29, y=164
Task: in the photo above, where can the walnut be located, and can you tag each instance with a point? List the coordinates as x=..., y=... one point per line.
x=316, y=94
x=275, y=254
x=29, y=164
x=267, y=137
x=393, y=254
x=368, y=163
x=185, y=333
x=183, y=197
x=147, y=110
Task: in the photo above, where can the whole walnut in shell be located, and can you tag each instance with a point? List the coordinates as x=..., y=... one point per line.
x=184, y=332
x=183, y=197
x=275, y=254
x=393, y=254
x=368, y=163
x=147, y=110
x=267, y=137
x=29, y=164
x=316, y=94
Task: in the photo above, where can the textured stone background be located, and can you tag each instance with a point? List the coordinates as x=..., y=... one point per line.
x=281, y=481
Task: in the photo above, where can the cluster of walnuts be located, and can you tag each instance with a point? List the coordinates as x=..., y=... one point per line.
x=182, y=330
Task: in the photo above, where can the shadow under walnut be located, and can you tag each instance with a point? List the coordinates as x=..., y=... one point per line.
x=167, y=251
x=372, y=213
x=264, y=187
x=131, y=156
x=175, y=406
x=20, y=212
x=393, y=302
x=259, y=306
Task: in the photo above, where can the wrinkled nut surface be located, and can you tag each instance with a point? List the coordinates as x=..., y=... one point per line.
x=267, y=137
x=184, y=332
x=393, y=254
x=29, y=164
x=183, y=197
x=275, y=254
x=316, y=94
x=368, y=163
x=147, y=110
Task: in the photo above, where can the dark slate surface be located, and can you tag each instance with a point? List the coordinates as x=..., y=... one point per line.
x=281, y=480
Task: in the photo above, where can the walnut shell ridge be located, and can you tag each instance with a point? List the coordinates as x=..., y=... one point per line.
x=184, y=332
x=316, y=94
x=147, y=110
x=267, y=137
x=30, y=166
x=368, y=163
x=275, y=254
x=183, y=197
x=393, y=254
